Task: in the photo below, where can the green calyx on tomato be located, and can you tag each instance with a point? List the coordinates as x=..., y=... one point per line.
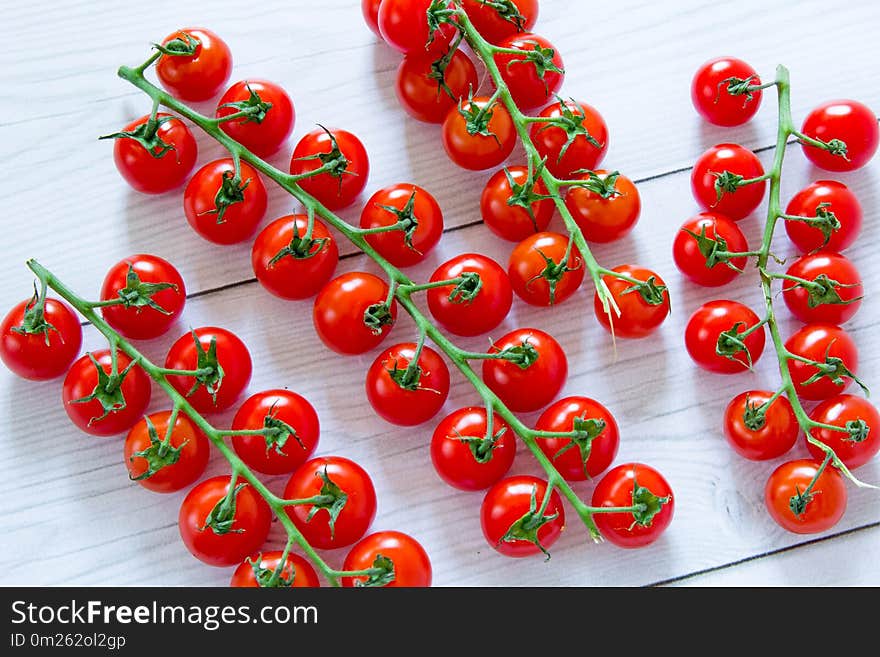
x=409, y=377
x=553, y=272
x=646, y=504
x=378, y=316
x=541, y=58
x=731, y=343
x=477, y=118
x=571, y=119
x=727, y=182
x=108, y=390
x=799, y=501
x=652, y=293
x=333, y=162
x=209, y=371
x=738, y=87
x=271, y=578
x=833, y=369
x=481, y=447
x=253, y=109
x=823, y=290
x=184, y=45
x=524, y=196
x=300, y=248
x=508, y=11
x=587, y=429
x=526, y=528
x=331, y=498
x=834, y=146
x=407, y=222
x=522, y=355
x=467, y=289
x=277, y=433
x=605, y=185
x=825, y=220
x=34, y=320
x=231, y=191
x=380, y=574
x=137, y=294
x=222, y=515
x=438, y=71
x=713, y=249
x=147, y=135
x=857, y=431
x=159, y=454
x=755, y=415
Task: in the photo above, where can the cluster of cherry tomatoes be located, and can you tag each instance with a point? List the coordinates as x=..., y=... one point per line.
x=822, y=288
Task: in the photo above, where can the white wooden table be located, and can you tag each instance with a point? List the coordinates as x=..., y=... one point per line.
x=69, y=513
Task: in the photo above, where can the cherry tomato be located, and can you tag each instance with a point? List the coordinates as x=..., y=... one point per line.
x=145, y=316
x=693, y=255
x=641, y=310
x=420, y=213
x=860, y=443
x=297, y=429
x=250, y=518
x=348, y=483
x=760, y=436
x=128, y=401
x=420, y=92
x=163, y=162
x=199, y=76
x=266, y=130
x=533, y=387
x=220, y=209
x=528, y=88
x=710, y=91
x=809, y=202
x=341, y=311
x=403, y=396
x=732, y=160
x=818, y=510
x=473, y=150
x=846, y=121
x=404, y=26
x=587, y=143
x=297, y=572
x=495, y=27
x=818, y=342
x=233, y=361
x=475, y=316
x=831, y=303
x=461, y=453
x=578, y=460
x=334, y=191
x=627, y=485
x=170, y=468
x=507, y=214
x=605, y=216
x=288, y=265
x=412, y=567
x=704, y=329
x=370, y=10
x=45, y=354
x=539, y=271
x=504, y=508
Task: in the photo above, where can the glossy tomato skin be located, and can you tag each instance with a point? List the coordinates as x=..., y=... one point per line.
x=399, y=405
x=265, y=137
x=392, y=245
x=705, y=327
x=513, y=222
x=778, y=434
x=404, y=26
x=528, y=89
x=615, y=489
x=814, y=341
x=482, y=313
x=638, y=318
x=293, y=277
x=849, y=121
x=493, y=27
x=370, y=11
x=692, y=263
x=412, y=566
x=295, y=567
x=528, y=261
x=838, y=411
x=835, y=267
x=710, y=96
x=339, y=310
x=422, y=96
x=455, y=461
x=195, y=450
x=250, y=526
x=199, y=76
x=28, y=355
x=146, y=322
x=239, y=220
x=580, y=154
x=605, y=219
x=334, y=192
x=156, y=175
x=477, y=152
x=824, y=510
x=532, y=388
x=560, y=417
x=233, y=357
x=841, y=201
x=737, y=160
x=356, y=516
x=81, y=379
x=284, y=406
x=508, y=501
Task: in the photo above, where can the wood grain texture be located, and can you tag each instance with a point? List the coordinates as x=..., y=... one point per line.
x=65, y=496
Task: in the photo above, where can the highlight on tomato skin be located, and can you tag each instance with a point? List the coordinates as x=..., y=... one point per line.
x=709, y=173
x=848, y=122
x=199, y=76
x=711, y=95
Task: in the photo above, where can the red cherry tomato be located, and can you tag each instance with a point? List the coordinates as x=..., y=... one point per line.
x=838, y=296
x=587, y=148
x=578, y=460
x=342, y=306
x=640, y=313
x=710, y=91
x=163, y=165
x=704, y=329
x=809, y=202
x=861, y=440
x=506, y=504
x=82, y=381
x=539, y=271
x=297, y=431
x=496, y=27
x=423, y=219
x=508, y=214
x=412, y=567
x=605, y=216
x=173, y=467
x=337, y=189
x=404, y=26
x=462, y=455
x=370, y=10
x=478, y=151
x=422, y=95
x=846, y=121
x=627, y=485
x=693, y=249
x=528, y=88
x=759, y=436
x=199, y=76
x=297, y=572
x=733, y=160
x=45, y=354
x=818, y=342
x=818, y=510
x=266, y=130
